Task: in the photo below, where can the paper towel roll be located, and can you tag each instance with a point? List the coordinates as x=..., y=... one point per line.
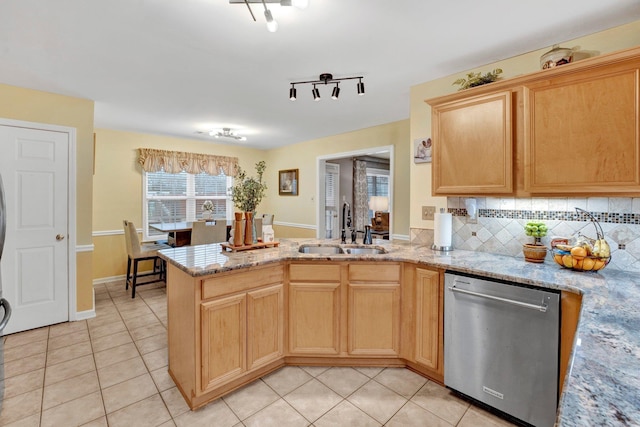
x=442, y=230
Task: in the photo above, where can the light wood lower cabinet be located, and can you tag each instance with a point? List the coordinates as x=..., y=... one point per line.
x=240, y=333
x=225, y=330
x=374, y=309
x=223, y=340
x=314, y=308
x=429, y=306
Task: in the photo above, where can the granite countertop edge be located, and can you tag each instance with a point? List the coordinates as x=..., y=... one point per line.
x=603, y=386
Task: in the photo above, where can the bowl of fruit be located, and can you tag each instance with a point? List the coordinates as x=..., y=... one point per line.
x=584, y=253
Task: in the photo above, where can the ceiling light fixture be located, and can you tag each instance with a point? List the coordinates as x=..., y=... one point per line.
x=226, y=133
x=272, y=24
x=326, y=78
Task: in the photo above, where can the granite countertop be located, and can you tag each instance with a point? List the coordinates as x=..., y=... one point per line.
x=603, y=387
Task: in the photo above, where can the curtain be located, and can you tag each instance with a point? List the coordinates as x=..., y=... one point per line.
x=153, y=160
x=360, y=195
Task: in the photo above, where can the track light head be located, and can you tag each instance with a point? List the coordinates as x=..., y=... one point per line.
x=272, y=25
x=293, y=93
x=316, y=93
x=336, y=92
x=360, y=88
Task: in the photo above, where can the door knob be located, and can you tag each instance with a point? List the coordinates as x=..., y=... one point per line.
x=59, y=237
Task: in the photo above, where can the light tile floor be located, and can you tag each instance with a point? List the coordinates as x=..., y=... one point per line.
x=112, y=371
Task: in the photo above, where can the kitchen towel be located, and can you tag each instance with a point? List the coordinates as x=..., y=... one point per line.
x=442, y=229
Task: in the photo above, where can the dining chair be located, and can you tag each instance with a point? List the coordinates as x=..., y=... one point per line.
x=205, y=232
x=137, y=252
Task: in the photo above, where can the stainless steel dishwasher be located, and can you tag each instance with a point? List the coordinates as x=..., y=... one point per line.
x=501, y=346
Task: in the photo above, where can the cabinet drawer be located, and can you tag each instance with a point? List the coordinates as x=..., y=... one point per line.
x=241, y=281
x=374, y=272
x=314, y=272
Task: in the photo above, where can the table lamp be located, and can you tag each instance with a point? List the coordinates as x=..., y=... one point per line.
x=378, y=204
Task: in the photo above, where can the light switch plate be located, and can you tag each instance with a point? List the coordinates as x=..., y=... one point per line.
x=428, y=212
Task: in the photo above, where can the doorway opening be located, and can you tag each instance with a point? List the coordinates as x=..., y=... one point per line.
x=335, y=186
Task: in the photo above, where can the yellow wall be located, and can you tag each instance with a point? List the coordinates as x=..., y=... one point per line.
x=618, y=38
x=42, y=107
x=302, y=209
x=118, y=187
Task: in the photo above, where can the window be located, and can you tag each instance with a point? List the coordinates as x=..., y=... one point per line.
x=377, y=184
x=178, y=197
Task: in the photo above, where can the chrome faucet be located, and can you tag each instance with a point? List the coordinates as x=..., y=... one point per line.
x=346, y=221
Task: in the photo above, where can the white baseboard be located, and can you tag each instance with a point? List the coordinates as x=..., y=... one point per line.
x=87, y=314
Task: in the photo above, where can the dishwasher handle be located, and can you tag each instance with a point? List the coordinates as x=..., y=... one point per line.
x=542, y=307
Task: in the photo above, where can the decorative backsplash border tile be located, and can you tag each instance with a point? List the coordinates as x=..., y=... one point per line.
x=607, y=217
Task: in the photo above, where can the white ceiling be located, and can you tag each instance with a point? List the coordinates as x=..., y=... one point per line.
x=175, y=67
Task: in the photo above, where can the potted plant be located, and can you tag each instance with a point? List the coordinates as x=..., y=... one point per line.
x=535, y=252
x=207, y=209
x=477, y=79
x=246, y=194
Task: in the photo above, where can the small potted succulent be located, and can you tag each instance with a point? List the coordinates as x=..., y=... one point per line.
x=535, y=252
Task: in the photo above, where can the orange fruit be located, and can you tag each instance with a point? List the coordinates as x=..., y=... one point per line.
x=578, y=251
x=578, y=263
x=567, y=261
x=588, y=264
x=598, y=265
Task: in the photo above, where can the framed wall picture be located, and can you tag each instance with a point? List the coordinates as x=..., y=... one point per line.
x=288, y=182
x=422, y=150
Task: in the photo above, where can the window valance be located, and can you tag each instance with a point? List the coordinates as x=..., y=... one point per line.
x=153, y=160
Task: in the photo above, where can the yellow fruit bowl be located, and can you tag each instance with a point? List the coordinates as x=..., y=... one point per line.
x=579, y=263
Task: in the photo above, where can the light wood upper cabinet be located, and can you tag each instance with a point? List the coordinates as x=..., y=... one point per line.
x=473, y=145
x=569, y=130
x=584, y=132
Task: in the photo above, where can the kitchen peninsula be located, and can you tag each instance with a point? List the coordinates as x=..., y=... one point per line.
x=256, y=302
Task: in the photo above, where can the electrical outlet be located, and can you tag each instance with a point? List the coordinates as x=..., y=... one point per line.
x=428, y=212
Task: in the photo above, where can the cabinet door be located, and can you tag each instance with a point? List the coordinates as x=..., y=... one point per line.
x=265, y=325
x=473, y=145
x=314, y=318
x=374, y=319
x=584, y=133
x=429, y=320
x=223, y=338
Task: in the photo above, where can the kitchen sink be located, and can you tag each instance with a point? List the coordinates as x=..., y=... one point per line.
x=365, y=251
x=323, y=250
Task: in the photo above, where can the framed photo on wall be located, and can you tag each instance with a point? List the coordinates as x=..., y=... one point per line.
x=288, y=182
x=422, y=150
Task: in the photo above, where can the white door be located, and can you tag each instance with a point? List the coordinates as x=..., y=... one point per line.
x=35, y=264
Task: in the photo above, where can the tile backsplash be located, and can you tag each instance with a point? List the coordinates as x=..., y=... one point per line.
x=500, y=225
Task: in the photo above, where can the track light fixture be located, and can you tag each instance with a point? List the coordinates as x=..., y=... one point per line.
x=272, y=24
x=226, y=133
x=326, y=78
